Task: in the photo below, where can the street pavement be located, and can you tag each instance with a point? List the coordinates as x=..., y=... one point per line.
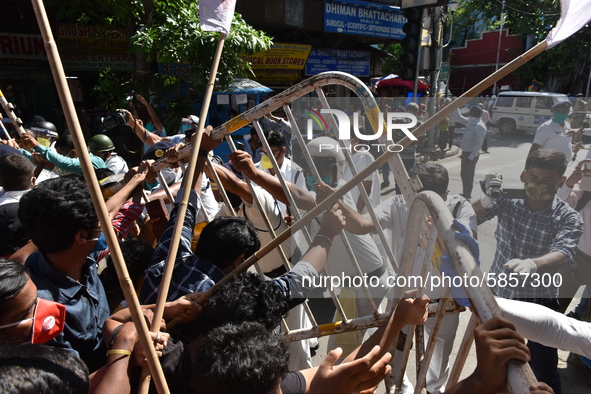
x=507, y=156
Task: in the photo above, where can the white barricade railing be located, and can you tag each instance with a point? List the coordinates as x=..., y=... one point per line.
x=485, y=307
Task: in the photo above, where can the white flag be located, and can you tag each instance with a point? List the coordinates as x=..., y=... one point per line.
x=216, y=15
x=574, y=15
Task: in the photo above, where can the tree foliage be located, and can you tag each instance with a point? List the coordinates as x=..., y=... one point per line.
x=164, y=31
x=392, y=64
x=176, y=38
x=561, y=69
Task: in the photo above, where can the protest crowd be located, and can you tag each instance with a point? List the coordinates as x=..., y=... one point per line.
x=62, y=302
x=234, y=316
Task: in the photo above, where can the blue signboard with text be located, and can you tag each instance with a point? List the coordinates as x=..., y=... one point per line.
x=352, y=62
x=364, y=18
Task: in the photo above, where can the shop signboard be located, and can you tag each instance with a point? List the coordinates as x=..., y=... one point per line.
x=364, y=18
x=281, y=56
x=353, y=62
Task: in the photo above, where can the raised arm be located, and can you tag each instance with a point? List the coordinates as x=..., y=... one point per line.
x=151, y=112
x=242, y=161
x=136, y=177
x=138, y=128
x=365, y=368
x=332, y=224
x=408, y=311
x=231, y=182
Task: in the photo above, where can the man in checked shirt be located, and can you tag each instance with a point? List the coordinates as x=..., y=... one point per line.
x=536, y=236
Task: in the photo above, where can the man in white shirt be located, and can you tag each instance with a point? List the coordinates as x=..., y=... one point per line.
x=272, y=264
x=555, y=133
x=470, y=145
x=485, y=117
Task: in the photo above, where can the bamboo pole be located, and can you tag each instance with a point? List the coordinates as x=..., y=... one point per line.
x=419, y=131
x=98, y=202
x=182, y=208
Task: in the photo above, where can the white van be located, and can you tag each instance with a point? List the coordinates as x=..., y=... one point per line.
x=523, y=111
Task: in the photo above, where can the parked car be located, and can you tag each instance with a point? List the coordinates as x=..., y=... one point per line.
x=523, y=111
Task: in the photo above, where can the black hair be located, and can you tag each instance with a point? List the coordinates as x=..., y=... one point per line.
x=240, y=359
x=243, y=298
x=276, y=139
x=224, y=239
x=102, y=173
x=547, y=159
x=189, y=132
x=55, y=210
x=41, y=369
x=433, y=176
x=137, y=256
x=234, y=198
x=16, y=172
x=13, y=279
x=65, y=142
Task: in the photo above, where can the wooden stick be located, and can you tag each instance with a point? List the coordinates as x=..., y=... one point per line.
x=99, y=204
x=182, y=208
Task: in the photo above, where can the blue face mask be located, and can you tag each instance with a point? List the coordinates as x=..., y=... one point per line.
x=310, y=181
x=150, y=127
x=101, y=243
x=559, y=117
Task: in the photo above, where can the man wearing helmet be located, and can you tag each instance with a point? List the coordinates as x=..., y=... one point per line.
x=328, y=159
x=102, y=146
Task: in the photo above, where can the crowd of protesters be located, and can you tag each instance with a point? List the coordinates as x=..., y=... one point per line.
x=64, y=323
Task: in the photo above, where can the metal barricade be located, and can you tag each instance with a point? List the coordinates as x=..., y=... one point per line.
x=417, y=235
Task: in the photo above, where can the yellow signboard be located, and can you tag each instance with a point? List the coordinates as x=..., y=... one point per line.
x=281, y=56
x=277, y=75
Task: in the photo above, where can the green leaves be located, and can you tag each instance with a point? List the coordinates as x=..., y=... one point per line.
x=167, y=32
x=393, y=64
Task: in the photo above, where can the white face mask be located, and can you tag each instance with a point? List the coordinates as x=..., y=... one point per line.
x=169, y=175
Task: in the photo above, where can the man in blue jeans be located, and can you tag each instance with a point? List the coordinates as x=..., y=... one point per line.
x=536, y=237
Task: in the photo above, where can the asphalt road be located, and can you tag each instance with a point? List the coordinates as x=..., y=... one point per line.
x=507, y=156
